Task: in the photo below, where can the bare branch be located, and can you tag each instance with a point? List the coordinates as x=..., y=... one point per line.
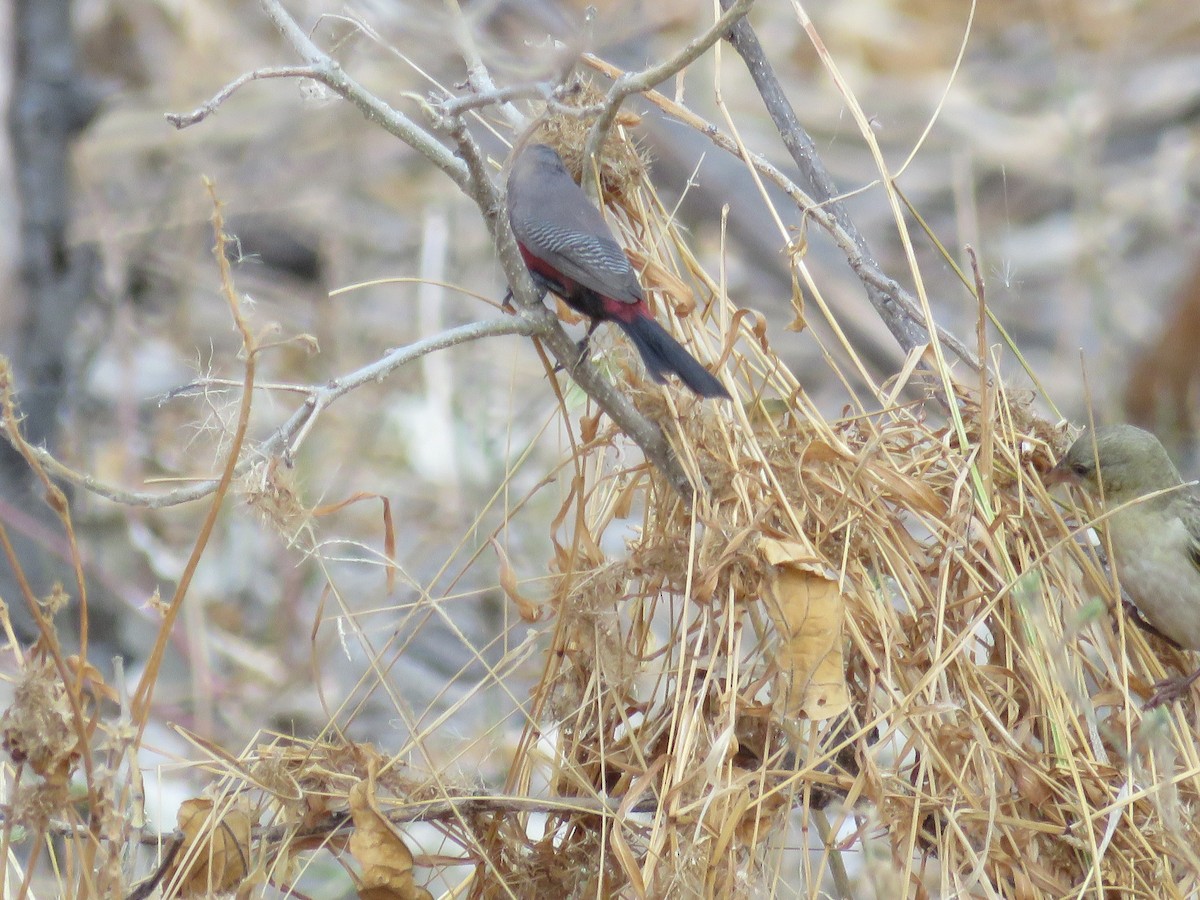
x=478, y=77
x=200, y=113
x=821, y=213
x=284, y=440
x=896, y=307
x=638, y=82
x=328, y=72
x=551, y=93
x=456, y=106
x=469, y=171
x=645, y=433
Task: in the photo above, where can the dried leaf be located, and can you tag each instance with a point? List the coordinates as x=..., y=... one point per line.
x=387, y=863
x=806, y=605
x=1030, y=783
x=655, y=277
x=215, y=852
x=822, y=451
x=565, y=313
x=758, y=325
x=528, y=609
x=628, y=862
x=623, y=505
x=589, y=426
x=798, y=322
x=733, y=333
x=562, y=559
x=916, y=495
x=92, y=680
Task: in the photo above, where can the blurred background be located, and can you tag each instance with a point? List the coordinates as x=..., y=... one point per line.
x=1065, y=148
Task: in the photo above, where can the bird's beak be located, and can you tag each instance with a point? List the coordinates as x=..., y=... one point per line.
x=1060, y=474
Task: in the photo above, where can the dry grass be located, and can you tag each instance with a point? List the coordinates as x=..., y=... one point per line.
x=982, y=736
x=991, y=743
x=979, y=733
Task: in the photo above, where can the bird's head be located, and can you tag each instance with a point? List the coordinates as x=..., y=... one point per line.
x=1127, y=460
x=536, y=161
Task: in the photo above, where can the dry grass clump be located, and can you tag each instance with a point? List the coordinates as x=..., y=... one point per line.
x=984, y=729
x=622, y=167
x=869, y=656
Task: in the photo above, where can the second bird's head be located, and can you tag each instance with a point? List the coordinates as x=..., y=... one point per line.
x=1128, y=461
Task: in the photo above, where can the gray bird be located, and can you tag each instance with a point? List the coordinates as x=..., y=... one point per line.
x=570, y=250
x=1155, y=541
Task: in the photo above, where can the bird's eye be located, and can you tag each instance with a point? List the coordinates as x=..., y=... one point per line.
x=1080, y=469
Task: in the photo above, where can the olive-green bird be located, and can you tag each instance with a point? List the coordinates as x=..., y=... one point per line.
x=1155, y=541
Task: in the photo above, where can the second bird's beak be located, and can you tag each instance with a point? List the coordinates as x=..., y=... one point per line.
x=1060, y=474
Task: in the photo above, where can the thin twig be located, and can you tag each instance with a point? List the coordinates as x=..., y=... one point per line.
x=638, y=82
x=404, y=812
x=282, y=440
x=139, y=706
x=200, y=113
x=328, y=72
x=867, y=270
x=476, y=183
x=456, y=106
x=898, y=310
x=72, y=682
x=478, y=77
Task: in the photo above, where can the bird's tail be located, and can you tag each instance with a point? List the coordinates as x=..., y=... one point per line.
x=662, y=354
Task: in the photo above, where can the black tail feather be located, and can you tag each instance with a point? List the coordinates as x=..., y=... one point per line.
x=662, y=354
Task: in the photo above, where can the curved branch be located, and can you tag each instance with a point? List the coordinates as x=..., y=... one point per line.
x=284, y=440
x=469, y=171
x=639, y=82
x=328, y=72
x=862, y=264
x=896, y=307
x=200, y=113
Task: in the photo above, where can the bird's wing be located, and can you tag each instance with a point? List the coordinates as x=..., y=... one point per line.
x=595, y=262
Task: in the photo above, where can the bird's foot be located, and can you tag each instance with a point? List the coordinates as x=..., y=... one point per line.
x=1143, y=623
x=1170, y=689
x=584, y=348
x=507, y=303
